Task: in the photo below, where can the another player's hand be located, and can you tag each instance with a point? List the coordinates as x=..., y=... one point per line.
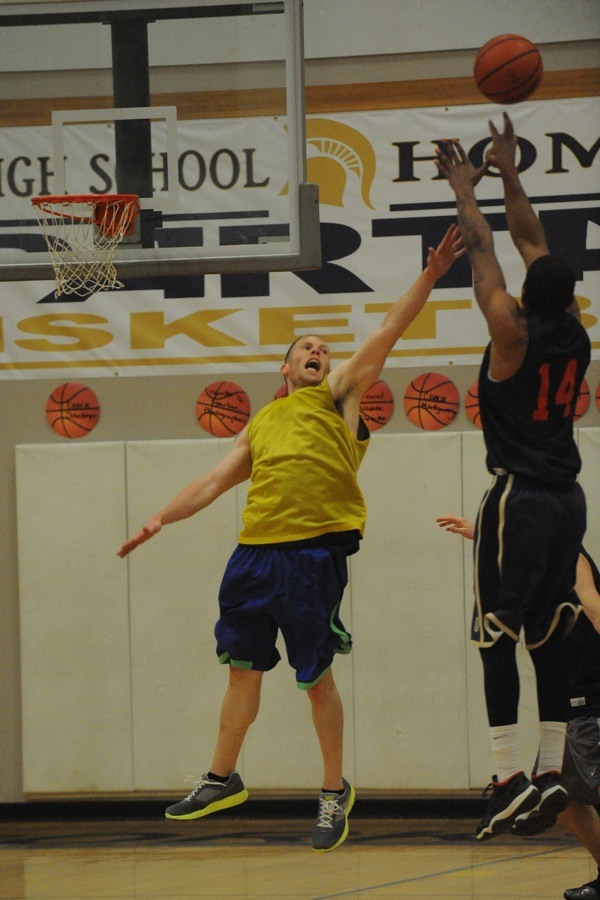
x=504, y=145
x=456, y=167
x=151, y=528
x=450, y=248
x=457, y=525
x=586, y=590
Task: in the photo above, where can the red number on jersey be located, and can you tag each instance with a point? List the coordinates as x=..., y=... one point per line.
x=565, y=392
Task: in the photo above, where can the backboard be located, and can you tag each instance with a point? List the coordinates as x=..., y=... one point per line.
x=195, y=106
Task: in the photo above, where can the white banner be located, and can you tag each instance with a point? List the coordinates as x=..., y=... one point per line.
x=382, y=205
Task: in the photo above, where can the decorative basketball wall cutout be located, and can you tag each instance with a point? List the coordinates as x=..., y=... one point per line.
x=72, y=410
x=431, y=401
x=377, y=405
x=223, y=408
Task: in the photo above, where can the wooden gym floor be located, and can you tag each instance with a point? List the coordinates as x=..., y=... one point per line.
x=228, y=856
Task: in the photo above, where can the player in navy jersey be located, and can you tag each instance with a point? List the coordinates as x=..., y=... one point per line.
x=581, y=761
x=532, y=519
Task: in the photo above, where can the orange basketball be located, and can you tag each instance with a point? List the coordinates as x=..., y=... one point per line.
x=281, y=391
x=377, y=406
x=508, y=68
x=472, y=404
x=583, y=400
x=72, y=410
x=223, y=408
x=431, y=401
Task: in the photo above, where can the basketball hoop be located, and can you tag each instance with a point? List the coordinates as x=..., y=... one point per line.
x=82, y=232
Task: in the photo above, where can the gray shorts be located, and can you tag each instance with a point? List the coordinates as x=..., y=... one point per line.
x=581, y=762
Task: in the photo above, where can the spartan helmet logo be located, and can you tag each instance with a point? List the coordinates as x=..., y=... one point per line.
x=340, y=150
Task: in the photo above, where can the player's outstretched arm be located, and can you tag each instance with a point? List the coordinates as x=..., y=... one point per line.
x=526, y=230
x=233, y=469
x=462, y=176
x=457, y=525
x=507, y=328
x=364, y=367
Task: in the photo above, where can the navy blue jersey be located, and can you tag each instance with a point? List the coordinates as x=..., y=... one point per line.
x=527, y=419
x=582, y=650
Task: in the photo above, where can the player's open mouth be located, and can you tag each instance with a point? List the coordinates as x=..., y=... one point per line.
x=313, y=364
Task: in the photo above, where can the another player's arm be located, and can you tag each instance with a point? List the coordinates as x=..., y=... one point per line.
x=585, y=587
x=233, y=469
x=586, y=591
x=352, y=377
x=506, y=325
x=457, y=525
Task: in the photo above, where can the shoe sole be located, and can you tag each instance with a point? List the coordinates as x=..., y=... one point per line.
x=225, y=803
x=543, y=816
x=346, y=826
x=533, y=823
x=503, y=821
x=554, y=800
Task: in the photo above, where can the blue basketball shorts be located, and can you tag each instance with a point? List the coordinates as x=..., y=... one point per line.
x=527, y=540
x=293, y=589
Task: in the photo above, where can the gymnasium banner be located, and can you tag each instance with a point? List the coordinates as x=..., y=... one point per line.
x=382, y=204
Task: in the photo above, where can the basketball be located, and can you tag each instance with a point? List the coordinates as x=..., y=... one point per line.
x=72, y=410
x=281, y=391
x=431, y=401
x=472, y=405
x=508, y=69
x=377, y=406
x=223, y=408
x=583, y=400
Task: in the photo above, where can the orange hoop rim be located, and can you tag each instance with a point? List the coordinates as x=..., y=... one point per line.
x=60, y=207
x=86, y=198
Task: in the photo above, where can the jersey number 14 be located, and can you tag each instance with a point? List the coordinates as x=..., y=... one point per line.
x=565, y=392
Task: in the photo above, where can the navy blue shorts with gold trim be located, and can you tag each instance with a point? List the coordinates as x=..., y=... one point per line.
x=527, y=540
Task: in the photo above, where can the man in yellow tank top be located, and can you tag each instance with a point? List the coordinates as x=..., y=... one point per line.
x=304, y=516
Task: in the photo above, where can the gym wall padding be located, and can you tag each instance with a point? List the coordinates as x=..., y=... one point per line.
x=121, y=686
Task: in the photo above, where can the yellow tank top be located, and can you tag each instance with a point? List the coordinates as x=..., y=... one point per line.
x=304, y=465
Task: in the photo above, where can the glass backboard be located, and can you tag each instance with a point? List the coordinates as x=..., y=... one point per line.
x=196, y=107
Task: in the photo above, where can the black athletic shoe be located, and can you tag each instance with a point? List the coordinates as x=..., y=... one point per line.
x=589, y=891
x=554, y=798
x=209, y=797
x=332, y=822
x=508, y=800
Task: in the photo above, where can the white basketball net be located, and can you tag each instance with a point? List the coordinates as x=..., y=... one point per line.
x=82, y=236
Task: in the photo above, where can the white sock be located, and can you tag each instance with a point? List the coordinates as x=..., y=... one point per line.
x=505, y=751
x=552, y=747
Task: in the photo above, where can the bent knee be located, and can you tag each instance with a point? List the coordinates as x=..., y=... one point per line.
x=324, y=687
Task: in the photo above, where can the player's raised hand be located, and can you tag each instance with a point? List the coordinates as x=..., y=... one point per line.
x=440, y=258
x=151, y=528
x=504, y=145
x=453, y=163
